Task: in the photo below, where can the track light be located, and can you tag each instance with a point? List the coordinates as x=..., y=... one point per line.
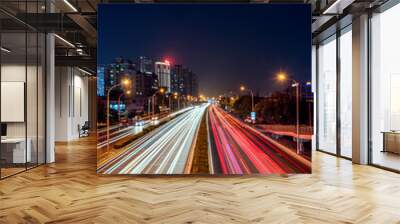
x=337, y=7
x=84, y=71
x=64, y=40
x=70, y=5
x=5, y=50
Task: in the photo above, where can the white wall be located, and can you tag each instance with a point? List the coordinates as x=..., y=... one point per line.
x=33, y=126
x=16, y=73
x=12, y=73
x=71, y=102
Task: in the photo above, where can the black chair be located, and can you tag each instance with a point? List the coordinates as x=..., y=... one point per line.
x=84, y=130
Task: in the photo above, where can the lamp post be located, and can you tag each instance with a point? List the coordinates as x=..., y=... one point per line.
x=148, y=106
x=162, y=90
x=179, y=102
x=243, y=88
x=169, y=102
x=176, y=97
x=283, y=77
x=125, y=82
x=153, y=99
x=128, y=92
x=188, y=100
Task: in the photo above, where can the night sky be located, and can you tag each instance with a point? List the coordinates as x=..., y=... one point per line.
x=225, y=45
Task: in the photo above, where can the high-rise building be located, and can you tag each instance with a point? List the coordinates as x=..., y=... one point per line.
x=119, y=69
x=145, y=65
x=100, y=80
x=177, y=79
x=145, y=84
x=184, y=81
x=190, y=83
x=162, y=70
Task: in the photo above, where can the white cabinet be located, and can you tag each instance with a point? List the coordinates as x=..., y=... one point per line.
x=15, y=148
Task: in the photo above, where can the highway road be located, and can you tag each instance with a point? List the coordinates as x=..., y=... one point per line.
x=166, y=150
x=237, y=148
x=118, y=132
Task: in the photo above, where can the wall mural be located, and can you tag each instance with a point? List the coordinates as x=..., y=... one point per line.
x=218, y=89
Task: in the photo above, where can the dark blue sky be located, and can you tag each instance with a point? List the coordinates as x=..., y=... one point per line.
x=225, y=45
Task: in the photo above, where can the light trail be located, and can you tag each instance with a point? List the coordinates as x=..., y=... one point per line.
x=117, y=133
x=162, y=151
x=237, y=148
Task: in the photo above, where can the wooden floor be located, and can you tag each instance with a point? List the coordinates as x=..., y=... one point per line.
x=69, y=191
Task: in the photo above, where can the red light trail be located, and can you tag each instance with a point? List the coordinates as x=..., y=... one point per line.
x=237, y=148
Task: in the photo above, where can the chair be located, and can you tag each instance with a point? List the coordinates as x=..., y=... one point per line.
x=84, y=130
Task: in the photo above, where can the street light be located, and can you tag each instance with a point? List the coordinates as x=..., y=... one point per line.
x=243, y=88
x=175, y=95
x=128, y=92
x=170, y=95
x=281, y=76
x=125, y=82
x=161, y=90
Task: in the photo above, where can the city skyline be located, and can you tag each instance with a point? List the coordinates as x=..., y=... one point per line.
x=209, y=39
x=174, y=78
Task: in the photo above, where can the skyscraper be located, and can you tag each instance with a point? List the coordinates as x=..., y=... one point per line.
x=191, y=83
x=162, y=70
x=184, y=81
x=100, y=81
x=145, y=84
x=177, y=79
x=145, y=65
x=121, y=68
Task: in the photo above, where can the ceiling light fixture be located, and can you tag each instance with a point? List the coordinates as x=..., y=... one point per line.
x=84, y=71
x=337, y=7
x=329, y=9
x=5, y=50
x=70, y=5
x=64, y=40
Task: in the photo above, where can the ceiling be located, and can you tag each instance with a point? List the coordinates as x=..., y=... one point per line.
x=75, y=21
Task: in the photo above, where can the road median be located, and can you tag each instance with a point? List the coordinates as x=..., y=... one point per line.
x=200, y=155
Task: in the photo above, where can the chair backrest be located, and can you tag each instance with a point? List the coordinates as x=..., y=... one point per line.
x=86, y=125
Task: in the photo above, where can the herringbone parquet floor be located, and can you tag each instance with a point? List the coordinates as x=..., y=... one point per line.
x=69, y=191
